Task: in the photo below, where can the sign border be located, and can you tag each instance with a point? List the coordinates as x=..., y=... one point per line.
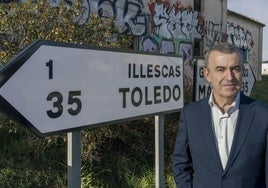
x=9, y=69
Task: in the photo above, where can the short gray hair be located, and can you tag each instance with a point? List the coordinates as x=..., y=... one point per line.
x=226, y=48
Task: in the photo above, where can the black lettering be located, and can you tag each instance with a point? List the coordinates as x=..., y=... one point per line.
x=74, y=99
x=129, y=70
x=201, y=73
x=166, y=93
x=149, y=71
x=49, y=64
x=178, y=72
x=209, y=90
x=171, y=72
x=57, y=104
x=124, y=91
x=176, y=92
x=157, y=94
x=147, y=101
x=134, y=72
x=142, y=75
x=157, y=71
x=245, y=72
x=202, y=91
x=57, y=99
x=136, y=90
x=164, y=73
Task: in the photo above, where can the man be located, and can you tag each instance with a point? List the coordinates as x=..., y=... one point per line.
x=222, y=140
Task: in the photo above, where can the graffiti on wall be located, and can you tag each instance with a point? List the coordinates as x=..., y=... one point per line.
x=243, y=39
x=239, y=36
x=169, y=25
x=213, y=36
x=129, y=14
x=161, y=19
x=235, y=34
x=175, y=22
x=150, y=45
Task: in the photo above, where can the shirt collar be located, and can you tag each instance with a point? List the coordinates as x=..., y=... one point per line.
x=234, y=106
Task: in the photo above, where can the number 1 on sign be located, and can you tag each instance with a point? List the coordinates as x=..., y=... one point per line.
x=49, y=64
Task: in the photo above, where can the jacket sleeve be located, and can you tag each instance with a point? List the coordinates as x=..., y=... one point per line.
x=182, y=161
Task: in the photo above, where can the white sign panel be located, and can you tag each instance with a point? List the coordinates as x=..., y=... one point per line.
x=58, y=87
x=249, y=80
x=203, y=88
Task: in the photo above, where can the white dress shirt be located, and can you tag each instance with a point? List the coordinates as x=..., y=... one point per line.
x=224, y=127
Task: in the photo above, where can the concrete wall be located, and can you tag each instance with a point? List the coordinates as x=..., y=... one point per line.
x=214, y=12
x=247, y=34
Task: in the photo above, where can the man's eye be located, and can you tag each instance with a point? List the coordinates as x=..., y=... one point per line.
x=220, y=69
x=237, y=69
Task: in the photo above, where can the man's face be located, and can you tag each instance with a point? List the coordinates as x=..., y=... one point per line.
x=224, y=72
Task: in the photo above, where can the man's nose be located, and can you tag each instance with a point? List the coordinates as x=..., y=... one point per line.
x=229, y=75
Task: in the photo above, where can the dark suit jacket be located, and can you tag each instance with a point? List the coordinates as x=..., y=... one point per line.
x=196, y=161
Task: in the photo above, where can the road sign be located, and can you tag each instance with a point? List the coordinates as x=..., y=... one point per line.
x=56, y=87
x=203, y=88
x=249, y=80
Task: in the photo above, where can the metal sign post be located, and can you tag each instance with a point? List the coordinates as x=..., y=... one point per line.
x=159, y=151
x=74, y=159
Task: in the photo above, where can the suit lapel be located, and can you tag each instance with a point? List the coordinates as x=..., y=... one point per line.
x=208, y=132
x=245, y=117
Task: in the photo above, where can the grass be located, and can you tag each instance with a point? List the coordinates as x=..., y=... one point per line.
x=260, y=90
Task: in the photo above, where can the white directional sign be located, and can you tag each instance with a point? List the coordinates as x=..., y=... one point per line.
x=203, y=88
x=54, y=87
x=249, y=80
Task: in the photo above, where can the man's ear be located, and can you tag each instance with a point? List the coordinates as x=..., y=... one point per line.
x=206, y=74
